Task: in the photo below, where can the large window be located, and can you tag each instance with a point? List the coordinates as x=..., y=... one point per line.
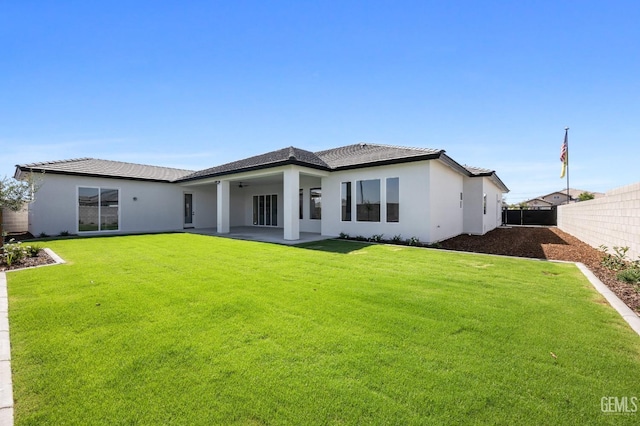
x=98, y=209
x=315, y=205
x=368, y=200
x=346, y=201
x=393, y=199
x=265, y=210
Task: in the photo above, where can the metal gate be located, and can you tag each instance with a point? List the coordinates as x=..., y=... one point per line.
x=530, y=217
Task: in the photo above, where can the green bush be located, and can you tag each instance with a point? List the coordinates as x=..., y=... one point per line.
x=32, y=250
x=631, y=275
x=13, y=252
x=616, y=261
x=413, y=241
x=376, y=238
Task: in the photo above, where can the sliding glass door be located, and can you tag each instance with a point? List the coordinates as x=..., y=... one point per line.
x=265, y=210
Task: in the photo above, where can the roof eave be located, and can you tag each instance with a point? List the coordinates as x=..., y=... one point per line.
x=288, y=162
x=389, y=162
x=24, y=169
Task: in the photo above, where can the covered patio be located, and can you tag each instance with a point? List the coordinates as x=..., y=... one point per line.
x=261, y=234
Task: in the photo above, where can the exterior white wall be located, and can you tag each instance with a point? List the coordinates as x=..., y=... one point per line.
x=477, y=222
x=444, y=209
x=15, y=221
x=306, y=223
x=158, y=206
x=493, y=218
x=414, y=182
x=472, y=206
x=612, y=220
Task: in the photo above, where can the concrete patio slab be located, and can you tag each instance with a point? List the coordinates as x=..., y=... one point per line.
x=261, y=234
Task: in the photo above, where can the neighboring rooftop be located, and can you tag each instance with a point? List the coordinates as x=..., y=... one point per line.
x=106, y=168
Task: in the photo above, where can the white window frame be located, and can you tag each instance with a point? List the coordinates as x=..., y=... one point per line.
x=99, y=188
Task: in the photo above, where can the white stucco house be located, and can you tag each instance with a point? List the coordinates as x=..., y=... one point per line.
x=361, y=189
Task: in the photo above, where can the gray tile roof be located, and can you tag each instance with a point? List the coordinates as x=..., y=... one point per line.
x=351, y=156
x=106, y=168
x=341, y=158
x=478, y=171
x=366, y=154
x=290, y=155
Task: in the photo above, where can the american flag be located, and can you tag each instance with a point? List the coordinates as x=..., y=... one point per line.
x=564, y=153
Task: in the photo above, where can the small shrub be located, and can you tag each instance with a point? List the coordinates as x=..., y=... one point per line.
x=43, y=235
x=631, y=276
x=413, y=241
x=13, y=252
x=435, y=245
x=64, y=234
x=32, y=250
x=397, y=239
x=359, y=238
x=616, y=261
x=344, y=236
x=376, y=238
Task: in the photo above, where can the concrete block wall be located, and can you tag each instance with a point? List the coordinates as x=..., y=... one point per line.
x=613, y=220
x=15, y=221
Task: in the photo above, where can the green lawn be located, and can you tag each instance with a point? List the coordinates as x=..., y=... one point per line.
x=187, y=329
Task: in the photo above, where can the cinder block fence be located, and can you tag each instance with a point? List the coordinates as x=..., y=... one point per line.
x=15, y=221
x=613, y=220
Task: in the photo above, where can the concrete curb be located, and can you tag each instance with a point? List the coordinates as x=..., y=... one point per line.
x=625, y=312
x=6, y=384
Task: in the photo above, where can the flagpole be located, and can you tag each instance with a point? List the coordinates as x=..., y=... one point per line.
x=566, y=138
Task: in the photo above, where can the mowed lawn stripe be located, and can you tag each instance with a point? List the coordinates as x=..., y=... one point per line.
x=187, y=329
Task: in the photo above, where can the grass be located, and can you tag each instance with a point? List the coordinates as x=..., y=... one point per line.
x=187, y=329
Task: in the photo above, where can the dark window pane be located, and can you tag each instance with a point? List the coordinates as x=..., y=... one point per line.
x=255, y=209
x=315, y=206
x=268, y=211
x=261, y=211
x=368, y=200
x=300, y=201
x=393, y=200
x=108, y=209
x=88, y=209
x=346, y=201
x=274, y=210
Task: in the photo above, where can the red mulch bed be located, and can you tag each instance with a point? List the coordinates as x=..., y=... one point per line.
x=545, y=243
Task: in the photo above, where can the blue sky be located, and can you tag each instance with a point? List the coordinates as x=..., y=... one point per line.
x=193, y=84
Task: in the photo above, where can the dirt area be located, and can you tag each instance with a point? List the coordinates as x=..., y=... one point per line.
x=545, y=243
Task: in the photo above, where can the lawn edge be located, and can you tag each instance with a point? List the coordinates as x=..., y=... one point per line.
x=6, y=383
x=625, y=312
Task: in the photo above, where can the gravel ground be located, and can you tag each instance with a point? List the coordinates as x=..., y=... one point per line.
x=545, y=243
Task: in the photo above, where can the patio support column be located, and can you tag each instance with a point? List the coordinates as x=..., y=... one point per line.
x=223, y=207
x=291, y=204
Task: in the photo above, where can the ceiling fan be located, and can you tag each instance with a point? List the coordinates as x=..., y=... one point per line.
x=242, y=185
